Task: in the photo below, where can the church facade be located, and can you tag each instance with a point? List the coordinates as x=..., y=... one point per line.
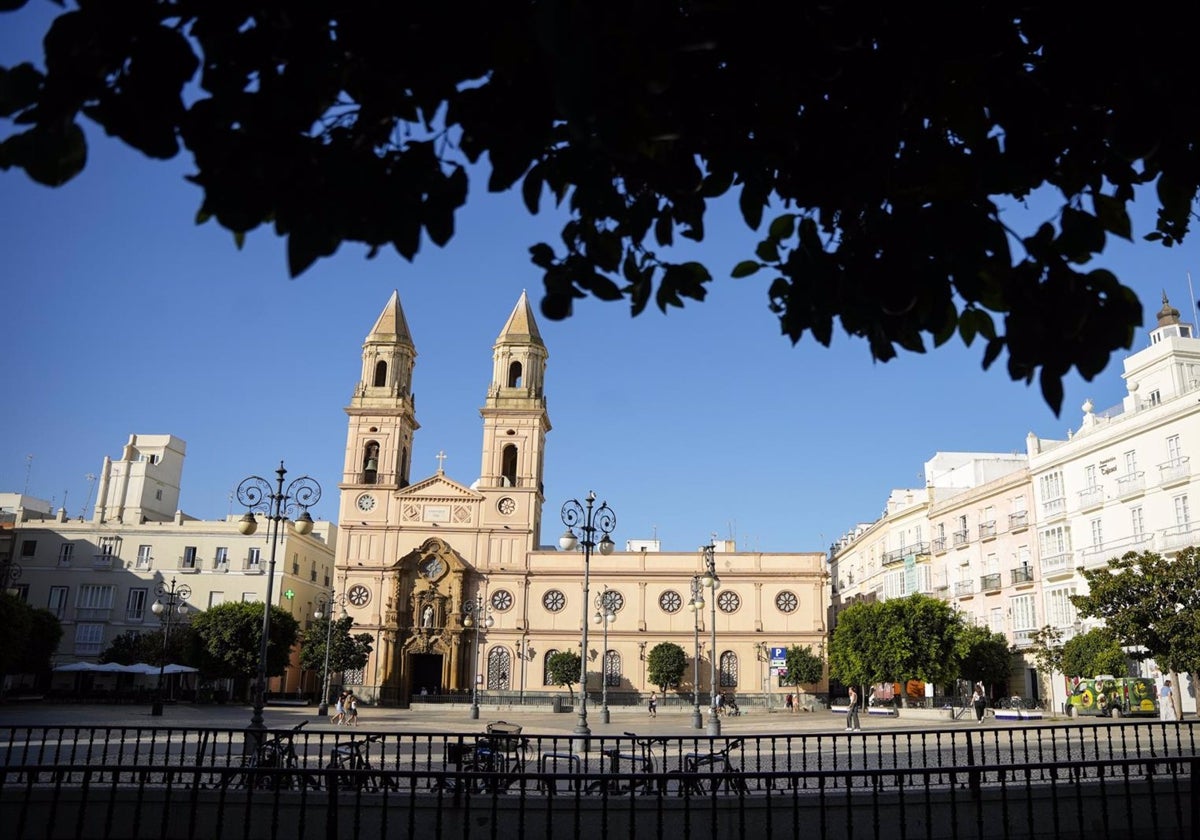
x=451, y=581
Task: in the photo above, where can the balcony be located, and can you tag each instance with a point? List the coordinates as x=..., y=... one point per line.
x=939, y=545
x=1018, y=521
x=102, y=561
x=1058, y=565
x=1098, y=555
x=1179, y=536
x=1023, y=638
x=1022, y=574
x=899, y=555
x=143, y=562
x=1131, y=485
x=1054, y=507
x=1174, y=472
x=1093, y=497
x=92, y=614
x=252, y=566
x=964, y=588
x=959, y=538
x=987, y=530
x=189, y=565
x=990, y=583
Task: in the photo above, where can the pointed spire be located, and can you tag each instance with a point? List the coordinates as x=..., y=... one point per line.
x=1168, y=314
x=521, y=328
x=391, y=327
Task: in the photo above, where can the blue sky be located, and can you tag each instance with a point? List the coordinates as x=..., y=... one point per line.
x=123, y=316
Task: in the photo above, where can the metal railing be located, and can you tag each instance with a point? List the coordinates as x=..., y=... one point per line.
x=1005, y=781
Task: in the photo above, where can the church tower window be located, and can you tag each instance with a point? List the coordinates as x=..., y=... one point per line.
x=380, y=374
x=514, y=375
x=508, y=467
x=370, y=472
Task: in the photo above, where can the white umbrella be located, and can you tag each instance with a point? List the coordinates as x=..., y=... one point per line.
x=76, y=666
x=180, y=669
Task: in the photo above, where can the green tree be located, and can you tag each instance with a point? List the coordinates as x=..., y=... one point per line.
x=917, y=637
x=1094, y=652
x=1046, y=651
x=1151, y=602
x=985, y=656
x=665, y=665
x=127, y=648
x=884, y=148
x=230, y=637
x=562, y=668
x=802, y=666
x=346, y=651
x=45, y=632
x=131, y=647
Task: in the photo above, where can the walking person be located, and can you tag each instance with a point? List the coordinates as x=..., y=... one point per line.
x=339, y=712
x=852, y=712
x=788, y=701
x=979, y=701
x=352, y=709
x=653, y=709
x=1166, y=702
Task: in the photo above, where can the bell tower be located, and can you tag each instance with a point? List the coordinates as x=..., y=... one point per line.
x=515, y=423
x=382, y=411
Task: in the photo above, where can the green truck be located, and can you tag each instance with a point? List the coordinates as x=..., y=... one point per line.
x=1109, y=696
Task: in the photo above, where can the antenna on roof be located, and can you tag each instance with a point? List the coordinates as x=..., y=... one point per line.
x=91, y=480
x=28, y=470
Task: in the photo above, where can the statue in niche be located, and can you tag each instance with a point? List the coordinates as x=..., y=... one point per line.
x=427, y=616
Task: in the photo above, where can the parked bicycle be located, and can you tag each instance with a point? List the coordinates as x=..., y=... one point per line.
x=273, y=764
x=642, y=776
x=702, y=773
x=352, y=755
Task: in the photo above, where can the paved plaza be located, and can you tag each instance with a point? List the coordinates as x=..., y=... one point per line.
x=672, y=720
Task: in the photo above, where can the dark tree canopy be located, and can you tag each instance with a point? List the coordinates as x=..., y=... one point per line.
x=346, y=651
x=230, y=639
x=883, y=141
x=563, y=668
x=803, y=666
x=665, y=665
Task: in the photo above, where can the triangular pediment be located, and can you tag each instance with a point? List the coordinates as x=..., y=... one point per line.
x=439, y=488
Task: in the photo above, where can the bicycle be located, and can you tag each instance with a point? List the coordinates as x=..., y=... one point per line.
x=643, y=776
x=703, y=773
x=352, y=755
x=262, y=767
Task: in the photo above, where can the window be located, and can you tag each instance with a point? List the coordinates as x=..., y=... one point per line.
x=554, y=600
x=612, y=668
x=144, y=557
x=89, y=639
x=1174, y=450
x=996, y=620
x=1024, y=613
x=189, y=557
x=728, y=602
x=380, y=374
x=729, y=669
x=28, y=548
x=135, y=605
x=1060, y=612
x=786, y=602
x=222, y=558
x=58, y=601
x=1089, y=476
x=508, y=466
x=108, y=546
x=1051, y=486
x=1097, y=532
x=21, y=592
x=1182, y=517
x=254, y=558
x=670, y=601
x=215, y=598
x=514, y=375
x=1155, y=398
x=499, y=669
x=992, y=565
x=158, y=495
x=1023, y=556
x=95, y=597
x=249, y=597
x=64, y=553
x=1055, y=541
x=1130, y=462
x=546, y=678
x=1136, y=521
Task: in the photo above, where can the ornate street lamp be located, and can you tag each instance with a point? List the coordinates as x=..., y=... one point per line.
x=10, y=573
x=476, y=615
x=711, y=582
x=325, y=605
x=591, y=520
x=256, y=494
x=605, y=615
x=696, y=605
x=175, y=601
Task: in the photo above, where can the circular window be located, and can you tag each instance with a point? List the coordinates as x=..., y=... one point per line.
x=554, y=600
x=729, y=602
x=612, y=599
x=786, y=602
x=502, y=600
x=366, y=502
x=670, y=601
x=358, y=595
x=507, y=506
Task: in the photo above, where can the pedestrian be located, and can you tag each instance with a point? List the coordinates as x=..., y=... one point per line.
x=979, y=701
x=852, y=712
x=339, y=713
x=788, y=701
x=1166, y=702
x=352, y=709
x=653, y=704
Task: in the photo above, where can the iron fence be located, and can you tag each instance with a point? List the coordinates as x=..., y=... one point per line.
x=187, y=783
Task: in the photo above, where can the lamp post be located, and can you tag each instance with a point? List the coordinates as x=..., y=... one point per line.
x=711, y=582
x=328, y=603
x=256, y=494
x=763, y=655
x=590, y=521
x=176, y=601
x=478, y=616
x=10, y=573
x=604, y=616
x=696, y=605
